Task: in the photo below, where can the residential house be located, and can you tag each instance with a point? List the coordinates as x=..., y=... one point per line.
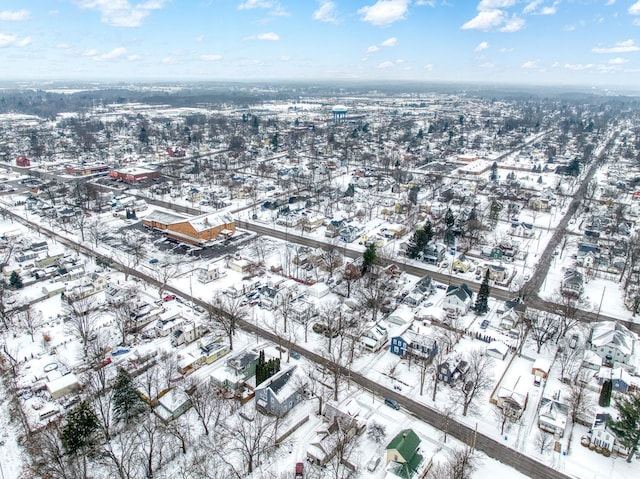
x=522, y=229
x=601, y=435
x=414, y=344
x=333, y=228
x=497, y=272
x=509, y=319
x=450, y=374
x=402, y=451
x=458, y=299
x=620, y=379
x=513, y=398
x=89, y=286
x=434, y=254
x=613, y=342
x=573, y=283
x=552, y=416
x=498, y=350
x=401, y=315
x=541, y=367
x=172, y=404
x=238, y=370
x=462, y=265
x=375, y=337
x=209, y=273
x=279, y=394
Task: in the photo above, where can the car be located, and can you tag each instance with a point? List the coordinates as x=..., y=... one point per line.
x=484, y=324
x=295, y=355
x=169, y=297
x=392, y=403
x=153, y=260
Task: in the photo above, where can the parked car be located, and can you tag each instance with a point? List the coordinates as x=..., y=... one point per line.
x=153, y=260
x=392, y=403
x=295, y=355
x=169, y=297
x=484, y=324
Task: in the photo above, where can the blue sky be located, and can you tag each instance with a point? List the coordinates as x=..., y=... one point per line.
x=567, y=42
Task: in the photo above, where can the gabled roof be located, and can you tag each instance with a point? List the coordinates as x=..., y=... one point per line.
x=463, y=292
x=406, y=443
x=610, y=333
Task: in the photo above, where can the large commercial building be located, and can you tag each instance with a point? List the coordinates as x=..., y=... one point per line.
x=134, y=175
x=197, y=230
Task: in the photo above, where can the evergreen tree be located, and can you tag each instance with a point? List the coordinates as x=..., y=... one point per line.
x=126, y=400
x=494, y=213
x=15, y=281
x=449, y=219
x=428, y=232
x=79, y=433
x=540, y=180
x=494, y=171
x=417, y=243
x=605, y=394
x=260, y=368
x=627, y=427
x=482, y=300
x=369, y=256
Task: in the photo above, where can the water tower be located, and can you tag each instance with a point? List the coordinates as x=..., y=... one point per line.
x=339, y=113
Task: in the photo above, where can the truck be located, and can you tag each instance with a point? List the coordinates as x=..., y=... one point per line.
x=299, y=469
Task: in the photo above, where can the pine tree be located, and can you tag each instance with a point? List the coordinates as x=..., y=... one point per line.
x=260, y=368
x=417, y=243
x=79, y=433
x=605, y=394
x=369, y=256
x=449, y=219
x=482, y=300
x=428, y=231
x=627, y=427
x=494, y=171
x=126, y=400
x=15, y=280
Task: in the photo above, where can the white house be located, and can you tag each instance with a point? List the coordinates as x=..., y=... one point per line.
x=401, y=316
x=612, y=342
x=498, y=350
x=552, y=416
x=458, y=299
x=375, y=337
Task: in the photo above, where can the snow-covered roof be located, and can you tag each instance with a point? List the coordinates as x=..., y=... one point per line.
x=612, y=334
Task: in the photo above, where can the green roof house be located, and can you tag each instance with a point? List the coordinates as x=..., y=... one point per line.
x=403, y=451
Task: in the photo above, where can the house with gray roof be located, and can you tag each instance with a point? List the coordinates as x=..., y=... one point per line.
x=458, y=299
x=280, y=393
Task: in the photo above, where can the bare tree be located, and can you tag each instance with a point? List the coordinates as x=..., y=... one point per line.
x=543, y=441
x=478, y=379
x=209, y=405
x=580, y=401
x=460, y=463
x=568, y=307
x=32, y=319
x=6, y=300
x=151, y=443
x=163, y=274
x=225, y=313
x=253, y=442
x=121, y=455
x=372, y=296
x=134, y=245
x=83, y=316
x=97, y=231
x=123, y=311
x=542, y=327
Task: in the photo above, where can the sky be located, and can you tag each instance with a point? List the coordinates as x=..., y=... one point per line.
x=550, y=42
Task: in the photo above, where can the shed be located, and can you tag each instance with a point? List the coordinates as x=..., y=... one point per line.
x=498, y=350
x=63, y=385
x=318, y=290
x=541, y=367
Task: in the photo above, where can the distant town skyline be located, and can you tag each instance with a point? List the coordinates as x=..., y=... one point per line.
x=547, y=42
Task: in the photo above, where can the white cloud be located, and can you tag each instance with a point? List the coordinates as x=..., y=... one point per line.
x=373, y=49
x=200, y=38
x=506, y=50
x=531, y=6
x=112, y=55
x=384, y=12
x=529, y=65
x=24, y=42
x=90, y=53
x=513, y=25
x=555, y=64
x=485, y=20
x=635, y=8
x=120, y=13
x=268, y=36
x=384, y=65
x=578, y=66
x=211, y=58
x=134, y=58
x=168, y=60
x=620, y=47
x=487, y=65
x=482, y=46
x=274, y=7
x=493, y=4
x=17, y=16
x=609, y=3
x=285, y=58
x=326, y=12
x=552, y=10
x=618, y=61
x=389, y=42
x=429, y=67
x=428, y=3
x=63, y=46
